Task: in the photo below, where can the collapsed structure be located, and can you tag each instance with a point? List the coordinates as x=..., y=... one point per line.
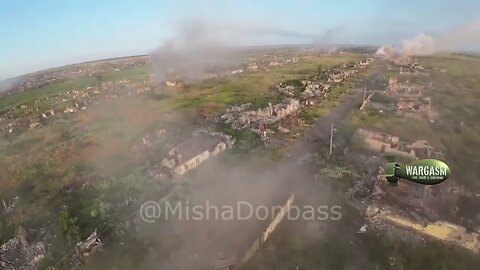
x=416, y=208
x=295, y=93
x=240, y=117
x=404, y=99
x=21, y=253
x=318, y=86
x=88, y=247
x=407, y=66
x=404, y=89
x=193, y=151
x=69, y=102
x=391, y=145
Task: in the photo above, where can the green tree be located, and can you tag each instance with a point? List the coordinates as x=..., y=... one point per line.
x=69, y=225
x=320, y=69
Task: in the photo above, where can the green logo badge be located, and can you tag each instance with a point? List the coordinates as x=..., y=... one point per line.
x=425, y=171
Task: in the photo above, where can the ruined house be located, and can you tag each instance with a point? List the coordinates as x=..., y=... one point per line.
x=195, y=150
x=391, y=145
x=411, y=68
x=21, y=253
x=409, y=200
x=241, y=118
x=88, y=247
x=384, y=143
x=174, y=84
x=405, y=89
x=418, y=209
x=252, y=67
x=392, y=86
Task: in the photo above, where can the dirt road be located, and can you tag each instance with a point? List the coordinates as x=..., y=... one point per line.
x=200, y=243
x=320, y=132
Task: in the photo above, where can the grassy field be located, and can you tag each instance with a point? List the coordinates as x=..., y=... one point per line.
x=455, y=96
x=252, y=87
x=28, y=97
x=43, y=165
x=107, y=132
x=91, y=152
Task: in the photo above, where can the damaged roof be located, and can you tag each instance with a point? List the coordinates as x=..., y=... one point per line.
x=196, y=145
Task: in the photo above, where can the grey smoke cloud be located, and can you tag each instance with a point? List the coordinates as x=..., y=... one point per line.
x=7, y=84
x=198, y=45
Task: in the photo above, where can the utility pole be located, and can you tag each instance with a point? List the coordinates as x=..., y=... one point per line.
x=364, y=93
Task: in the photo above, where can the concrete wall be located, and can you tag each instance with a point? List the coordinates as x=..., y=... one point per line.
x=220, y=147
x=387, y=149
x=278, y=218
x=258, y=243
x=197, y=160
x=192, y=163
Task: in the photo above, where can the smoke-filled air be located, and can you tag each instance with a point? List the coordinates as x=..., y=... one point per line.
x=239, y=134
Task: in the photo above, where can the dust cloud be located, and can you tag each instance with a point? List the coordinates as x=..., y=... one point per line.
x=198, y=46
x=464, y=37
x=7, y=84
x=225, y=181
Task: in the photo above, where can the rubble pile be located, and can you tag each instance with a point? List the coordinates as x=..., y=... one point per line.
x=411, y=211
x=25, y=116
x=18, y=253
x=69, y=102
x=318, y=86
x=410, y=98
x=391, y=145
x=269, y=62
x=8, y=205
x=404, y=89
x=408, y=66
x=80, y=71
x=296, y=92
x=239, y=117
x=149, y=140
x=88, y=247
x=192, y=152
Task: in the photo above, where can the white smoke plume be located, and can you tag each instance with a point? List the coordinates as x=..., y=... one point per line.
x=195, y=47
x=465, y=37
x=422, y=44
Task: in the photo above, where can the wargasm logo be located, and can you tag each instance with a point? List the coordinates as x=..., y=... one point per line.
x=425, y=171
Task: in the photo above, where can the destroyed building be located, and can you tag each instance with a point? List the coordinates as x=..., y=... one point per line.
x=88, y=247
x=391, y=145
x=193, y=151
x=21, y=252
x=175, y=84
x=318, y=86
x=41, y=79
x=410, y=99
x=415, y=208
x=407, y=66
x=239, y=117
x=405, y=89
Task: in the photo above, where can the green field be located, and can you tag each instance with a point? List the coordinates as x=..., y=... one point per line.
x=28, y=97
x=455, y=97
x=94, y=148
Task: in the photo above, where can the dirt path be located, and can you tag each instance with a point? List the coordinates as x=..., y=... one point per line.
x=320, y=132
x=202, y=242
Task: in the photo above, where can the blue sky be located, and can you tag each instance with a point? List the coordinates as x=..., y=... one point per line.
x=37, y=34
